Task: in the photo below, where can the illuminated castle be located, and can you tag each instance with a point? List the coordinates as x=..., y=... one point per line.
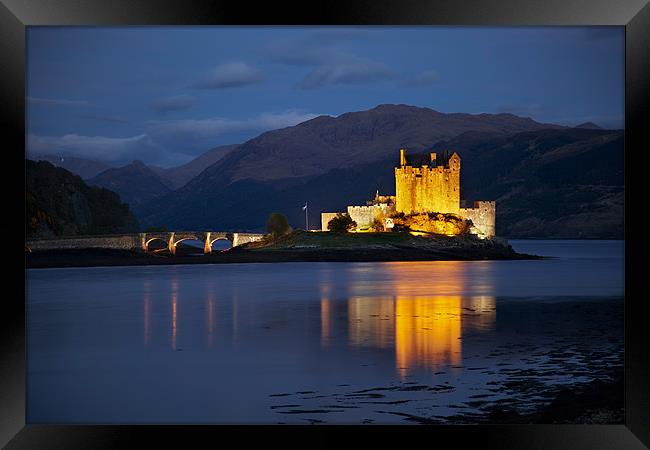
x=423, y=185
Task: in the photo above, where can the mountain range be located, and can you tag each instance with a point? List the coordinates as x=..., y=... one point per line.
x=548, y=180
x=136, y=182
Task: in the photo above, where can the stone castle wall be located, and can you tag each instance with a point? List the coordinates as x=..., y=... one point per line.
x=325, y=219
x=365, y=215
x=362, y=215
x=483, y=216
x=428, y=189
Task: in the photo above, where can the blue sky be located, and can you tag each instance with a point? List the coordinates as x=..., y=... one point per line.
x=167, y=94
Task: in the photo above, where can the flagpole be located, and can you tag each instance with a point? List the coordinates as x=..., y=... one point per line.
x=306, y=217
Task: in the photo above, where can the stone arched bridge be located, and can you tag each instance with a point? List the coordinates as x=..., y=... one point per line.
x=141, y=241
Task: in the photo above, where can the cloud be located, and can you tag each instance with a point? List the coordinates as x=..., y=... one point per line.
x=57, y=102
x=425, y=78
x=230, y=75
x=98, y=148
x=216, y=126
x=329, y=65
x=355, y=71
x=164, y=142
x=175, y=103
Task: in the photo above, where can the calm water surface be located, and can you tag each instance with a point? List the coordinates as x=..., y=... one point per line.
x=321, y=342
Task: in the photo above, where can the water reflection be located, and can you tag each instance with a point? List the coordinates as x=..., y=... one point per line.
x=424, y=330
x=147, y=313
x=480, y=312
x=421, y=278
x=325, y=321
x=371, y=321
x=174, y=290
x=418, y=312
x=210, y=307
x=427, y=333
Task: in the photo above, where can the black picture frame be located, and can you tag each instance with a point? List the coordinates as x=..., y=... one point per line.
x=15, y=15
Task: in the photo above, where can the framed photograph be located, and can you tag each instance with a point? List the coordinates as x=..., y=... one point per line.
x=393, y=219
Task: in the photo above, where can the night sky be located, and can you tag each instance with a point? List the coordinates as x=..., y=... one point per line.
x=166, y=94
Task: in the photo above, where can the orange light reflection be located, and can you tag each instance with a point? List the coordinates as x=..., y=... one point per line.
x=174, y=312
x=147, y=313
x=423, y=318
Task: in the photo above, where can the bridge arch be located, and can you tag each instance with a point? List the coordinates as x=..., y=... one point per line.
x=186, y=239
x=150, y=240
x=221, y=238
x=210, y=242
x=174, y=240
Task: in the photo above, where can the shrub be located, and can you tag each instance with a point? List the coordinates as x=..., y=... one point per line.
x=341, y=223
x=277, y=225
x=377, y=225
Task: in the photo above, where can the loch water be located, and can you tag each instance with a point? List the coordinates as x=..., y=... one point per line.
x=381, y=342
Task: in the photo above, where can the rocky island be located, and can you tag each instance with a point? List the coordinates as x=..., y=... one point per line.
x=296, y=246
x=300, y=245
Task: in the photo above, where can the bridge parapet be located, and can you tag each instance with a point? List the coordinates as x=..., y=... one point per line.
x=141, y=241
x=243, y=238
x=121, y=242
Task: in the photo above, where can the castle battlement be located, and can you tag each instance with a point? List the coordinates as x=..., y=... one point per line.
x=427, y=189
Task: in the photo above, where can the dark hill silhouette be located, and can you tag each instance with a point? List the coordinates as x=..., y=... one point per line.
x=589, y=125
x=59, y=203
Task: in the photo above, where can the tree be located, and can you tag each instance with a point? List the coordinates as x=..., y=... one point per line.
x=277, y=225
x=377, y=225
x=341, y=223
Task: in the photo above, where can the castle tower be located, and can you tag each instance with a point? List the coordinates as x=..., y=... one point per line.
x=428, y=188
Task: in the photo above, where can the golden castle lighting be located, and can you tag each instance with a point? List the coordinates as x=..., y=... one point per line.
x=427, y=196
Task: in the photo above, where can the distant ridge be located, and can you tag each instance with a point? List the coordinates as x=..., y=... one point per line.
x=136, y=183
x=176, y=177
x=589, y=125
